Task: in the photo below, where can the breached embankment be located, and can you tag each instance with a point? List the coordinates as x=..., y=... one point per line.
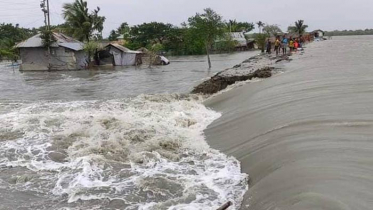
x=260, y=66
x=305, y=136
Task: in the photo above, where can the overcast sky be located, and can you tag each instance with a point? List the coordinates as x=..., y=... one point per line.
x=323, y=14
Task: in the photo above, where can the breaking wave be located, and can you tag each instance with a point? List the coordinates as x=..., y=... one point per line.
x=143, y=153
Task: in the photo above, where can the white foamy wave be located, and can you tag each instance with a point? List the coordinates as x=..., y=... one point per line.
x=145, y=153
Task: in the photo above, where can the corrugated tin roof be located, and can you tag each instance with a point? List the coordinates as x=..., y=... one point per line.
x=62, y=40
x=34, y=41
x=123, y=49
x=72, y=46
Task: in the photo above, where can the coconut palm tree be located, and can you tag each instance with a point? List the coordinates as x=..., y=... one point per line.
x=260, y=26
x=232, y=25
x=299, y=27
x=80, y=23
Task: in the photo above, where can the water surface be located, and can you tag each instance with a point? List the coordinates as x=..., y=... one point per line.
x=121, y=82
x=98, y=140
x=305, y=137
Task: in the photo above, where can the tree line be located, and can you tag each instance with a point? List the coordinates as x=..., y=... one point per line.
x=190, y=38
x=349, y=32
x=200, y=34
x=195, y=36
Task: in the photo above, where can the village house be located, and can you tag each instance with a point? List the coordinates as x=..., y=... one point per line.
x=122, y=56
x=239, y=39
x=318, y=34
x=65, y=54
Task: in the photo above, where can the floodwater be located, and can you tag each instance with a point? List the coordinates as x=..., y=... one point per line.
x=113, y=139
x=179, y=77
x=305, y=137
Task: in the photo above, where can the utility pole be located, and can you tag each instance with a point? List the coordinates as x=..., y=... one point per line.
x=45, y=12
x=49, y=17
x=44, y=5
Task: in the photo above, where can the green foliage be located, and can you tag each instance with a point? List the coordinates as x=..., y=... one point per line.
x=91, y=48
x=47, y=37
x=150, y=33
x=153, y=52
x=260, y=26
x=190, y=39
x=10, y=35
x=272, y=30
x=260, y=40
x=156, y=47
x=193, y=43
x=80, y=23
x=209, y=26
x=123, y=30
x=226, y=44
x=133, y=45
x=298, y=28
x=15, y=33
x=113, y=35
x=7, y=50
x=234, y=26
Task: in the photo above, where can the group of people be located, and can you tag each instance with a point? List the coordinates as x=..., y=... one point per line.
x=284, y=43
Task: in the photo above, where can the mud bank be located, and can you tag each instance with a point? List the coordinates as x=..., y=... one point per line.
x=260, y=66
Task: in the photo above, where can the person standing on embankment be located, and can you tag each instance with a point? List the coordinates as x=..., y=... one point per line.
x=284, y=45
x=277, y=45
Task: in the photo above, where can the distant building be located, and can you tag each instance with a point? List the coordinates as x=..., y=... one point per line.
x=319, y=34
x=66, y=54
x=239, y=38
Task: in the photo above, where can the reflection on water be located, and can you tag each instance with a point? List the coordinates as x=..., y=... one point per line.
x=119, y=82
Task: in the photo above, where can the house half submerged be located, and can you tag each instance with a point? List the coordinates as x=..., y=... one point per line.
x=65, y=54
x=123, y=56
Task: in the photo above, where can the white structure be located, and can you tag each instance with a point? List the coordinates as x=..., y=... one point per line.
x=123, y=56
x=66, y=54
x=318, y=34
x=240, y=39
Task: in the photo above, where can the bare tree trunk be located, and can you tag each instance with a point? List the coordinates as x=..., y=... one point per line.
x=208, y=56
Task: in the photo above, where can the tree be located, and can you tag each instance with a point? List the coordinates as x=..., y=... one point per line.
x=298, y=28
x=124, y=29
x=10, y=35
x=7, y=49
x=150, y=33
x=153, y=52
x=113, y=35
x=208, y=26
x=260, y=40
x=176, y=41
x=80, y=23
x=47, y=37
x=91, y=49
x=15, y=33
x=225, y=44
x=260, y=26
x=272, y=30
x=234, y=26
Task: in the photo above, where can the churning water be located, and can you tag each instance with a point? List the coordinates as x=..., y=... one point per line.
x=76, y=140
